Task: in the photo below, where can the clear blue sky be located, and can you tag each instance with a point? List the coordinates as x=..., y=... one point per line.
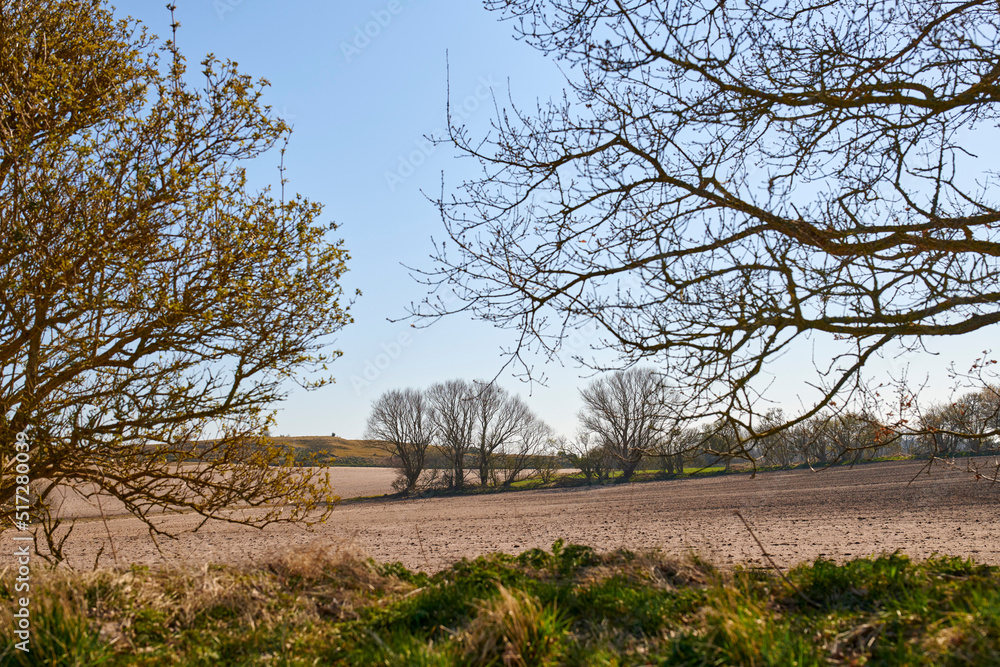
x=360, y=105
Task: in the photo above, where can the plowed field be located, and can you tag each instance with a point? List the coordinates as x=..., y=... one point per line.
x=797, y=515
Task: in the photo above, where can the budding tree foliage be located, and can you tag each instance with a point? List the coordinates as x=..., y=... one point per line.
x=153, y=306
x=724, y=182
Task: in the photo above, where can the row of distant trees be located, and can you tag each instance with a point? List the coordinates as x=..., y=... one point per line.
x=631, y=418
x=966, y=426
x=471, y=424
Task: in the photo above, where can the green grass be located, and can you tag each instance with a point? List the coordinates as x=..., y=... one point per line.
x=565, y=606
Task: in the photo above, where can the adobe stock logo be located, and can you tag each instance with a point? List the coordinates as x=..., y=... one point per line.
x=223, y=7
x=374, y=366
x=370, y=30
x=461, y=111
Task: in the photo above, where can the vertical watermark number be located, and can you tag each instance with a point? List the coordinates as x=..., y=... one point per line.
x=22, y=552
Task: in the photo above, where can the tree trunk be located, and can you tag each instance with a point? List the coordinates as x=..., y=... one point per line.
x=628, y=469
x=484, y=468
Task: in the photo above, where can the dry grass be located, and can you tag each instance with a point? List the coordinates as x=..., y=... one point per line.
x=122, y=606
x=514, y=629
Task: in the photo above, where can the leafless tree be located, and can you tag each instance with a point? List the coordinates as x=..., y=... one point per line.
x=627, y=412
x=401, y=425
x=962, y=424
x=979, y=416
x=722, y=441
x=939, y=438
x=676, y=441
x=778, y=448
x=529, y=441
x=546, y=463
x=499, y=419
x=850, y=435
x=723, y=181
x=453, y=413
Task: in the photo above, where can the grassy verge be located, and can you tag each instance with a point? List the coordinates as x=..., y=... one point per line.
x=567, y=606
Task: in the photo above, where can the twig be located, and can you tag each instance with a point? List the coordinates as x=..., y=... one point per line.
x=104, y=518
x=975, y=468
x=773, y=564
x=97, y=558
x=627, y=524
x=525, y=526
x=423, y=553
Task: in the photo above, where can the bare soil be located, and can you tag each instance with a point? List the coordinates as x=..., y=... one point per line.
x=347, y=483
x=839, y=513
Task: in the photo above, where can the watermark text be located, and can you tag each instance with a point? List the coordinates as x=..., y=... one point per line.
x=22, y=553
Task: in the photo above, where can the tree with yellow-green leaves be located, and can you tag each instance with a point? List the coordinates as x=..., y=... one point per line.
x=153, y=305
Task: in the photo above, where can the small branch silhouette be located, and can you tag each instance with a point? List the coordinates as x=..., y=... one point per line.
x=774, y=565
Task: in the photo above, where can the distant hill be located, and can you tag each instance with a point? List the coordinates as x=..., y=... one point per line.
x=334, y=451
